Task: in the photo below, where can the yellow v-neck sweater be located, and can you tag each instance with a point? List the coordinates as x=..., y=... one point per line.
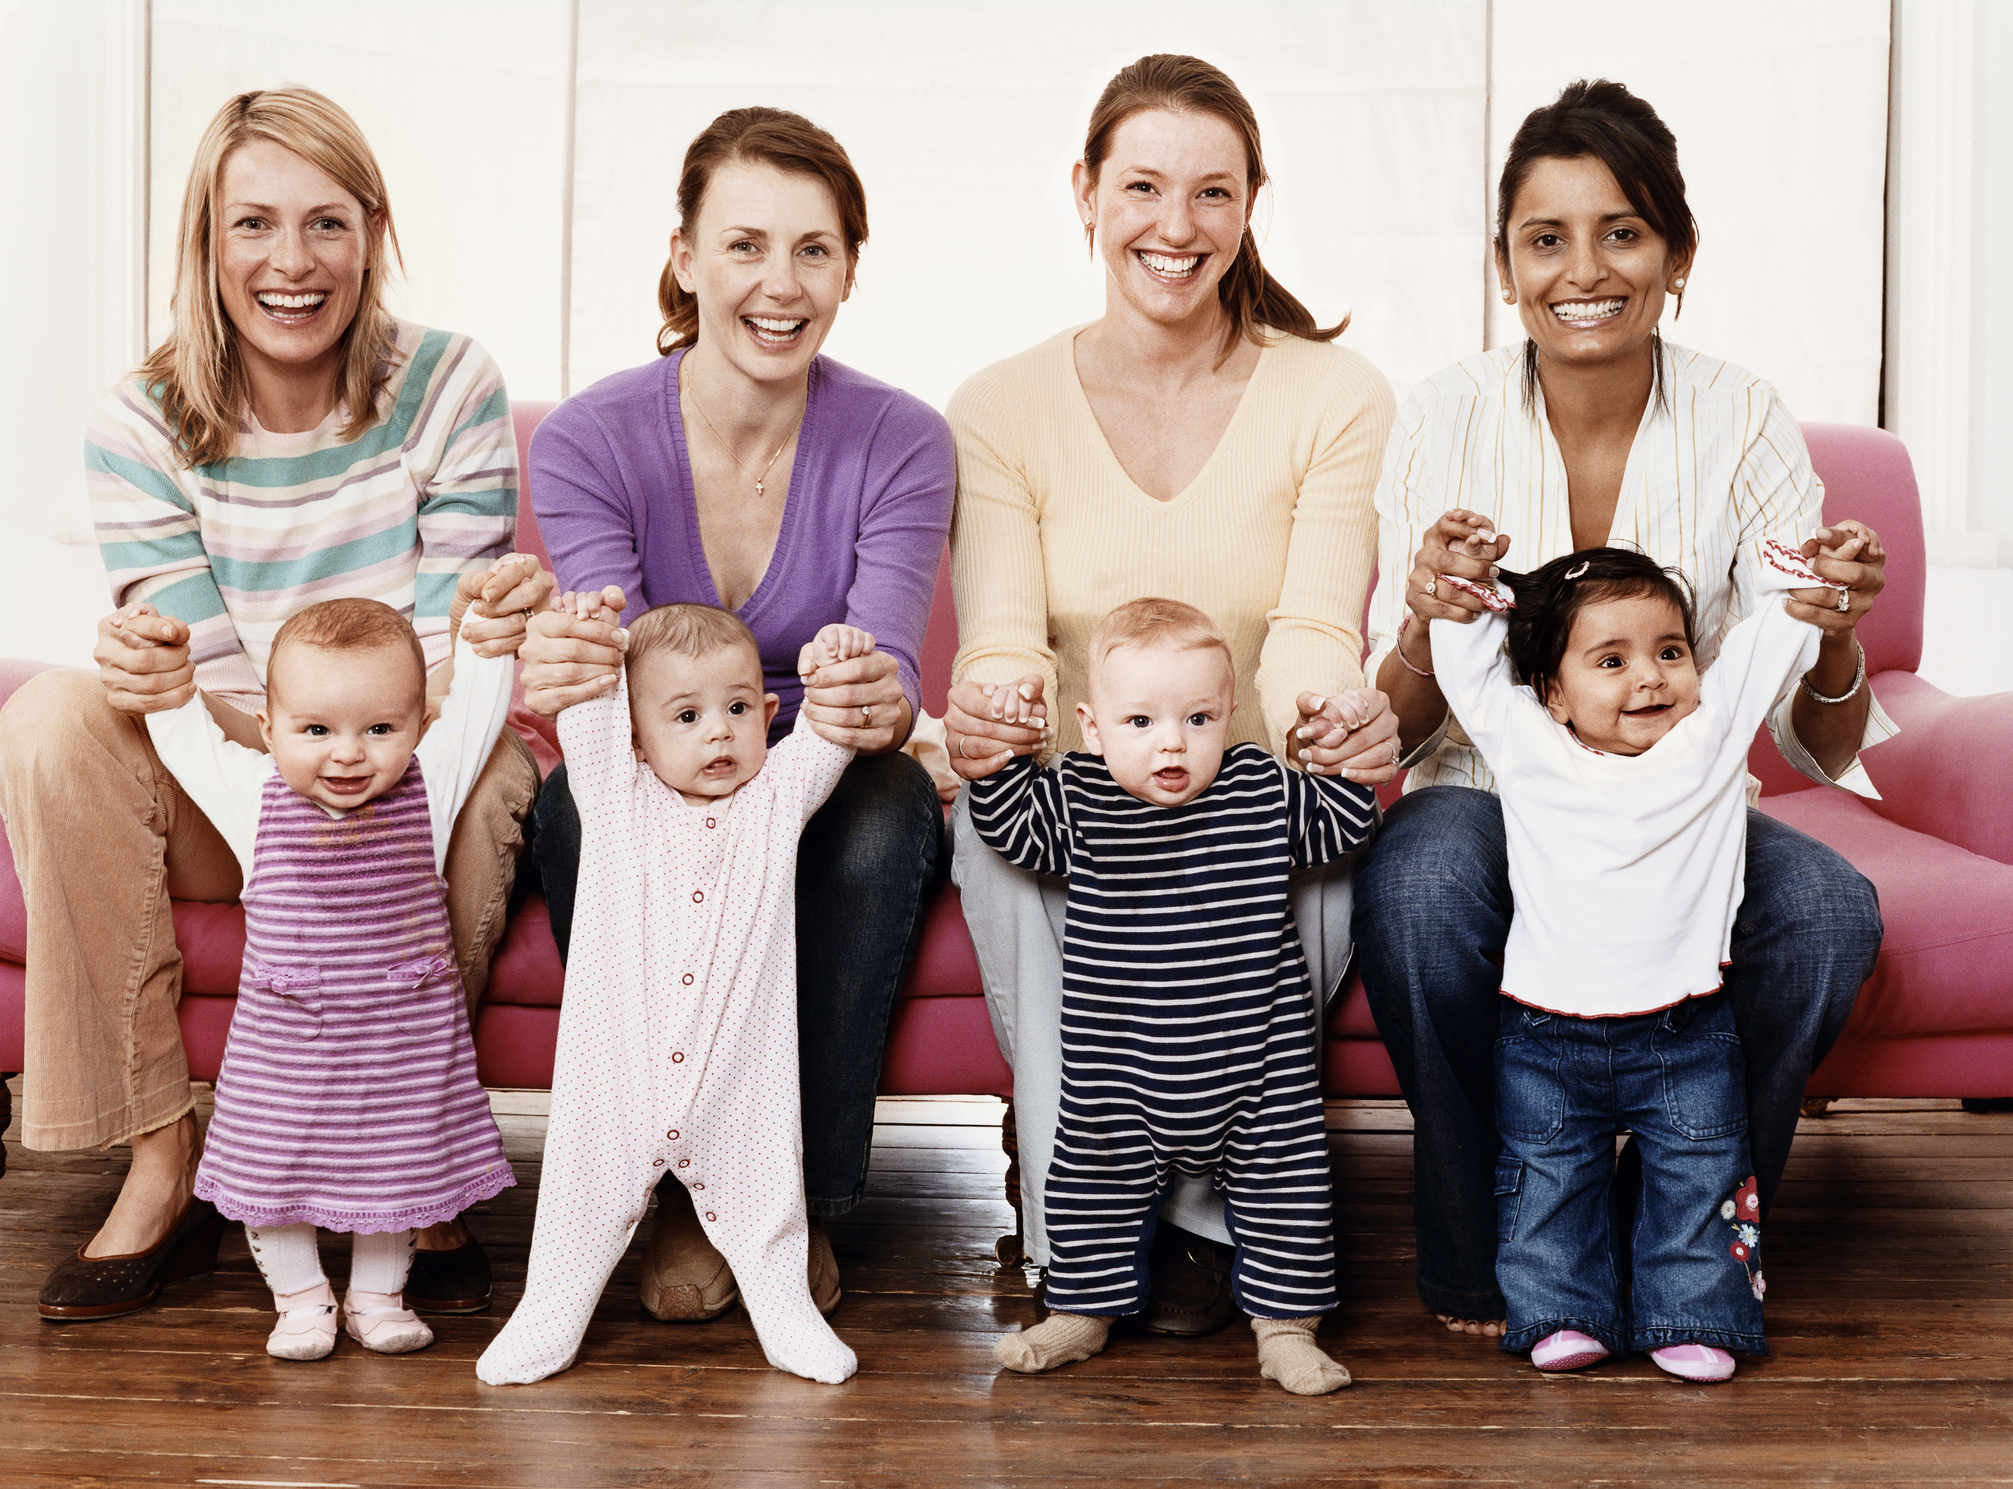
x=1275, y=538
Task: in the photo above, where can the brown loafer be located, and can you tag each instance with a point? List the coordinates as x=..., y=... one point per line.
x=1191, y=1283
x=454, y=1281
x=824, y=1271
x=684, y=1278
x=87, y=1287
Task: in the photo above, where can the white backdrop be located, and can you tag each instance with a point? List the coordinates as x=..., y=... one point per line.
x=1384, y=125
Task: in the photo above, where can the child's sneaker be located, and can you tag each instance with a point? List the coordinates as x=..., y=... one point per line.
x=1699, y=1362
x=1568, y=1349
x=307, y=1326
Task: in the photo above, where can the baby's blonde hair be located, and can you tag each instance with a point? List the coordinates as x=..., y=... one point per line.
x=347, y=625
x=1157, y=622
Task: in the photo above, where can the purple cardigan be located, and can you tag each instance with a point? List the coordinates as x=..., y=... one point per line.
x=863, y=529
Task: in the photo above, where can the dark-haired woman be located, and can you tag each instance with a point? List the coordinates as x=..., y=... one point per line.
x=1203, y=441
x=742, y=469
x=1594, y=431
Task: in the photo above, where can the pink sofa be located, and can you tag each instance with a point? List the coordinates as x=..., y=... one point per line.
x=1935, y=1020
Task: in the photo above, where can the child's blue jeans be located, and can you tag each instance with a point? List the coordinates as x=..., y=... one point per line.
x=1689, y=1269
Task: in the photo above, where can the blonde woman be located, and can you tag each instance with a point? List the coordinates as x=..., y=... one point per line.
x=289, y=442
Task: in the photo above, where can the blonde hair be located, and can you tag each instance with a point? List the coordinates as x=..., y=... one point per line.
x=347, y=625
x=197, y=374
x=1157, y=622
x=689, y=630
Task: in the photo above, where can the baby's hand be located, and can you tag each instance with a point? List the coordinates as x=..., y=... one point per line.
x=835, y=643
x=604, y=604
x=1353, y=709
x=1017, y=703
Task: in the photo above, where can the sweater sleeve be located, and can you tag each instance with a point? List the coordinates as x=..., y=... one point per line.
x=222, y=777
x=1314, y=639
x=1327, y=817
x=997, y=571
x=586, y=514
x=903, y=522
x=463, y=456
x=454, y=750
x=151, y=538
x=1020, y=812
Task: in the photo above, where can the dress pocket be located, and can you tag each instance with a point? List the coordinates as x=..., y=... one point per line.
x=288, y=1002
x=422, y=997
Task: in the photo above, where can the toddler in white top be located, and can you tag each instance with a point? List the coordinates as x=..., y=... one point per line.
x=1622, y=773
x=677, y=1045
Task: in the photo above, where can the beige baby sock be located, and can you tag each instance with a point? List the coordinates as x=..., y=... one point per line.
x=1056, y=1340
x=1288, y=1354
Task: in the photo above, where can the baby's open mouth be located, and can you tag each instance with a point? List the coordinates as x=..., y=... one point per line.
x=345, y=785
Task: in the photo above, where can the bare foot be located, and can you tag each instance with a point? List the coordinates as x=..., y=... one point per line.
x=1491, y=1329
x=159, y=1184
x=449, y=1235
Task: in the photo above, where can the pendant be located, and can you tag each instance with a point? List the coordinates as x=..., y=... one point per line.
x=758, y=491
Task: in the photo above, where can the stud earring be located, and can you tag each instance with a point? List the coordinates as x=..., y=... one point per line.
x=1677, y=283
x=1508, y=298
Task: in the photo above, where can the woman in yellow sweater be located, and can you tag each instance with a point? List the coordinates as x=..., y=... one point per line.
x=1204, y=441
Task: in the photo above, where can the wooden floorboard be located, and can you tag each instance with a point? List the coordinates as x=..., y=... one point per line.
x=1890, y=1265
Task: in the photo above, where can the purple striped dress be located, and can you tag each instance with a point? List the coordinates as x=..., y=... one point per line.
x=348, y=1096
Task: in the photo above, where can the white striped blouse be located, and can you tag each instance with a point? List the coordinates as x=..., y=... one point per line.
x=1718, y=468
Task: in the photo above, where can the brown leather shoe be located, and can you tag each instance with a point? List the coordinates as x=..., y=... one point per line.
x=1191, y=1283
x=86, y=1287
x=824, y=1271
x=684, y=1278
x=454, y=1281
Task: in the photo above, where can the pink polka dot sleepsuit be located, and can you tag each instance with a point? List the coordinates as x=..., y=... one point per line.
x=677, y=1044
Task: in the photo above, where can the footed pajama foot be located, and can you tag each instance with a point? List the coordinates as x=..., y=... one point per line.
x=1288, y=1354
x=307, y=1326
x=1059, y=1339
x=382, y=1322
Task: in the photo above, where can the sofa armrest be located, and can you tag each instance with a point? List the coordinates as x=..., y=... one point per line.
x=1949, y=772
x=16, y=670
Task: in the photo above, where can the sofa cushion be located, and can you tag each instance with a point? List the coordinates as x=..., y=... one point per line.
x=526, y=971
x=1946, y=961
x=13, y=908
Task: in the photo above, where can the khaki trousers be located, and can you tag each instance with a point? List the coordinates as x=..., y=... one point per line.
x=102, y=837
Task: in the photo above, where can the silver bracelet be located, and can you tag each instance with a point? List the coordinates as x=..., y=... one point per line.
x=1858, y=682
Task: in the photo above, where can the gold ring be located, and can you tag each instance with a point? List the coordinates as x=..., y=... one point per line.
x=866, y=716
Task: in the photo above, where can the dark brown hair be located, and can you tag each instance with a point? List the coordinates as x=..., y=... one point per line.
x=1250, y=296
x=352, y=624
x=1550, y=598
x=1603, y=121
x=774, y=137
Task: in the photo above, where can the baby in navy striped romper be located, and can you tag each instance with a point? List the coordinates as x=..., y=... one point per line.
x=1189, y=1032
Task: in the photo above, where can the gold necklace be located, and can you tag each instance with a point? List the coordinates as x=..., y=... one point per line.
x=760, y=477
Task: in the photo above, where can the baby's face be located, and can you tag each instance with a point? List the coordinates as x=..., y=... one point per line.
x=1628, y=674
x=342, y=725
x=701, y=723
x=1160, y=717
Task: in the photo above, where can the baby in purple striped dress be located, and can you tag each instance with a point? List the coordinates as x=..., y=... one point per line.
x=348, y=1096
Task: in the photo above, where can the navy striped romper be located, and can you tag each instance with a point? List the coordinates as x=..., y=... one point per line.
x=1189, y=1039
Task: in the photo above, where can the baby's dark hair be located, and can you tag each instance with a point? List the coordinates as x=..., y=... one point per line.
x=1548, y=600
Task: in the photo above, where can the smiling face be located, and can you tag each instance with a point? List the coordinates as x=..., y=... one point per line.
x=292, y=248
x=1168, y=210
x=1589, y=274
x=1628, y=674
x=701, y=723
x=767, y=264
x=342, y=723
x=1160, y=717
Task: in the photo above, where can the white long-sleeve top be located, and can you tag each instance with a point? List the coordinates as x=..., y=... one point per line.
x=1626, y=870
x=225, y=778
x=1715, y=469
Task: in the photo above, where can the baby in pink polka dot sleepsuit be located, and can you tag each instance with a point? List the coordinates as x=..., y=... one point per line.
x=678, y=1035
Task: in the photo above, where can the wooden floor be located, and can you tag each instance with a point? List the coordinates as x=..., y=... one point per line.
x=1890, y=1267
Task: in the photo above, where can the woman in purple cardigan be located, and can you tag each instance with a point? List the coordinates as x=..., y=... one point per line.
x=744, y=470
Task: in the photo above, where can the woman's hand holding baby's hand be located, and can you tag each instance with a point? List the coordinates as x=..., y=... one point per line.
x=853, y=694
x=573, y=651
x=499, y=602
x=987, y=724
x=143, y=660
x=1461, y=543
x=1352, y=734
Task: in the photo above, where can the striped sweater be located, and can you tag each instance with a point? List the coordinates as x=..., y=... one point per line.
x=235, y=548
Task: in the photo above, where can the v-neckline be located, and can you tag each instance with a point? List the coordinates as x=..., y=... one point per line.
x=1195, y=481
x=1627, y=497
x=786, y=529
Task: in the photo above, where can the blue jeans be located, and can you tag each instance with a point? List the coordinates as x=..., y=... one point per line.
x=866, y=865
x=1564, y=1087
x=1432, y=914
